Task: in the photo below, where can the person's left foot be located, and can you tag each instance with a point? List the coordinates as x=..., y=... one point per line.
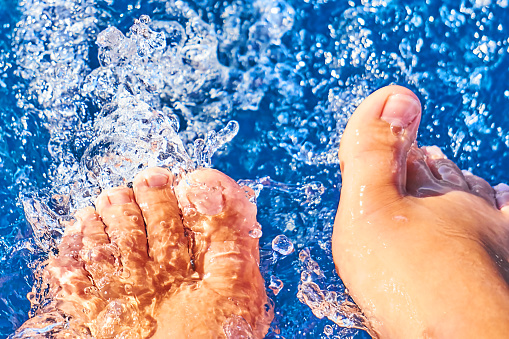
x=163, y=261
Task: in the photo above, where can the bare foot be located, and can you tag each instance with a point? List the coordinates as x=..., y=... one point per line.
x=159, y=261
x=421, y=246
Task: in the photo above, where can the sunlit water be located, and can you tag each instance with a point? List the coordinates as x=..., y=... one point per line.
x=93, y=91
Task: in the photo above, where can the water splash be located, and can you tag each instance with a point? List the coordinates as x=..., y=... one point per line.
x=323, y=302
x=304, y=81
x=204, y=149
x=275, y=285
x=307, y=194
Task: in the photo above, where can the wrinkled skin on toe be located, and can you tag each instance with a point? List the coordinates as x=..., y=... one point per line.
x=160, y=260
x=421, y=246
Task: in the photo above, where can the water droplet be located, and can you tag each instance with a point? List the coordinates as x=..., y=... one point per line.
x=145, y=19
x=250, y=194
x=303, y=255
x=31, y=296
x=237, y=327
x=90, y=290
x=189, y=211
x=397, y=129
x=305, y=276
x=128, y=288
x=163, y=224
x=328, y=330
x=282, y=245
x=256, y=232
x=275, y=285
x=125, y=273
x=134, y=218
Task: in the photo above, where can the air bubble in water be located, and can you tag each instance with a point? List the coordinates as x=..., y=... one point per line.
x=282, y=245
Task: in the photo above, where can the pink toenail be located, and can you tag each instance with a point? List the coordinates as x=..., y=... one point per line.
x=119, y=197
x=156, y=180
x=400, y=111
x=502, y=195
x=434, y=152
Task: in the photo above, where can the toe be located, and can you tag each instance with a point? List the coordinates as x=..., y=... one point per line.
x=420, y=180
x=126, y=230
x=92, y=227
x=502, y=197
x=444, y=169
x=215, y=208
x=167, y=243
x=99, y=255
x=70, y=285
x=480, y=187
x=124, y=224
x=226, y=233
x=375, y=143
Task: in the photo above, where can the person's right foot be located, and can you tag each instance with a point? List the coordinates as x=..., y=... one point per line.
x=422, y=247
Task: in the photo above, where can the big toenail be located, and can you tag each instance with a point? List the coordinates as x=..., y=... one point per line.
x=400, y=111
x=119, y=197
x=156, y=180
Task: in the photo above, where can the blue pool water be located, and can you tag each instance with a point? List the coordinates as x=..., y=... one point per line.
x=77, y=79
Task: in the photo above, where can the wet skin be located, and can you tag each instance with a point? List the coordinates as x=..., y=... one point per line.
x=422, y=247
x=162, y=260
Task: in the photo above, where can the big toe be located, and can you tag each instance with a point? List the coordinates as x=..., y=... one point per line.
x=167, y=243
x=222, y=220
x=225, y=247
x=375, y=144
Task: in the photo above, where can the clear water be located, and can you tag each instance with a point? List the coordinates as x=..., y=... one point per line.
x=92, y=91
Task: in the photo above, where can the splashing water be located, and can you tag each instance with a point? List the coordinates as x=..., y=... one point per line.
x=96, y=91
x=326, y=303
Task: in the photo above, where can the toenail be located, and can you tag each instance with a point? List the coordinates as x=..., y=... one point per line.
x=502, y=195
x=119, y=197
x=400, y=111
x=502, y=188
x=156, y=180
x=434, y=152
